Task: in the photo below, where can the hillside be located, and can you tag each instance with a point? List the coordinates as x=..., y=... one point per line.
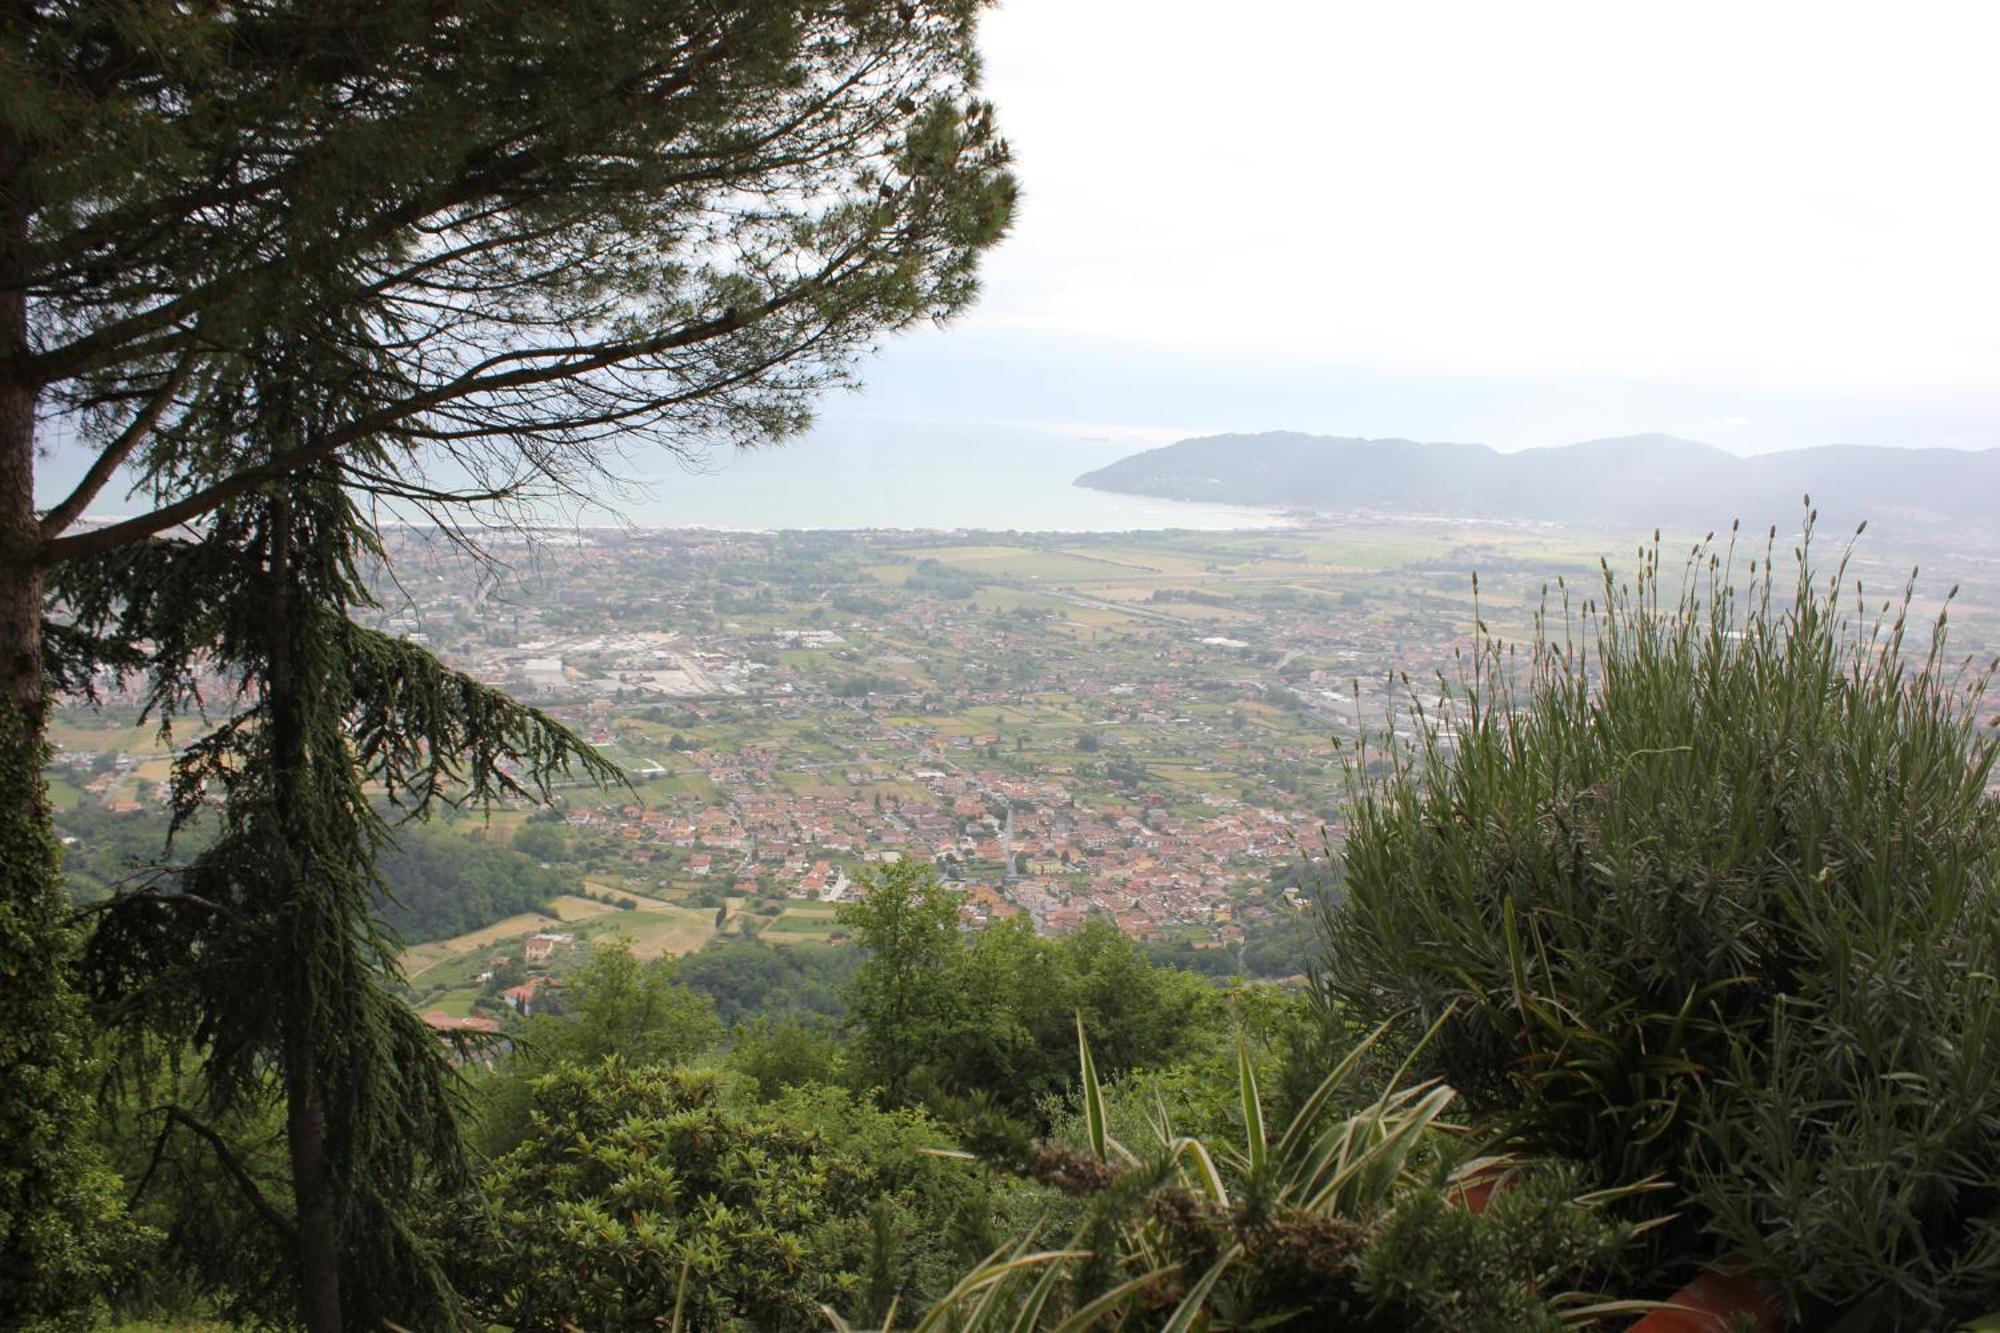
x=1644, y=479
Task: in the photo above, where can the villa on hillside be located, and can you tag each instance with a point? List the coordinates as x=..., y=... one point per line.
x=540, y=948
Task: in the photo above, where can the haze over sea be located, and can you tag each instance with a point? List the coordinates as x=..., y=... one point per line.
x=854, y=473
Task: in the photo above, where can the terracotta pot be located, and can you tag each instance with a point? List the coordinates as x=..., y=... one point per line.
x=1719, y=1294
x=1476, y=1187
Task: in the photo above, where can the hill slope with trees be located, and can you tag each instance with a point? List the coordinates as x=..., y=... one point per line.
x=1640, y=479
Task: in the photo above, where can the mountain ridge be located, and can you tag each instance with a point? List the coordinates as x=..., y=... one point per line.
x=1650, y=479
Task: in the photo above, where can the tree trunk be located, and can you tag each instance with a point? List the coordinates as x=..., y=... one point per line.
x=21, y=685
x=49, y=1225
x=319, y=1230
x=305, y=1103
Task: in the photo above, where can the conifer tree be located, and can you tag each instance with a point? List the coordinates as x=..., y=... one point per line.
x=532, y=229
x=265, y=953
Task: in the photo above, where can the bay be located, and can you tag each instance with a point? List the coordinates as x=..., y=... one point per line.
x=857, y=473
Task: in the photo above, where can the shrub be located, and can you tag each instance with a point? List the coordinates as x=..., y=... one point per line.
x=1348, y=1221
x=640, y=1193
x=648, y=1198
x=1712, y=893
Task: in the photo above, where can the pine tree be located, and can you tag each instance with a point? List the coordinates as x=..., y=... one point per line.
x=525, y=230
x=266, y=953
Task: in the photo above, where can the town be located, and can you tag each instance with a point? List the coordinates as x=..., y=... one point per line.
x=1154, y=729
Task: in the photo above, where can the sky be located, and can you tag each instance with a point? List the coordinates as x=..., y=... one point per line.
x=1764, y=226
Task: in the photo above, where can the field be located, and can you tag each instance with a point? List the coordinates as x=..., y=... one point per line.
x=656, y=929
x=802, y=923
x=422, y=958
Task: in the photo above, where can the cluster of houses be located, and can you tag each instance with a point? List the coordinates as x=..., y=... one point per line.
x=524, y=998
x=1041, y=850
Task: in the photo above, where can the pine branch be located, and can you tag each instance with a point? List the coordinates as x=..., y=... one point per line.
x=114, y=454
x=423, y=729
x=554, y=366
x=245, y=1182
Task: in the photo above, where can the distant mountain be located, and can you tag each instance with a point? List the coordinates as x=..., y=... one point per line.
x=1642, y=479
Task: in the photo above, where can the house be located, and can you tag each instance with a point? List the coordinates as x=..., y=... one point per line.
x=525, y=998
x=539, y=948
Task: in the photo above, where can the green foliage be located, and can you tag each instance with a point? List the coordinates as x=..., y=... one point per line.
x=617, y=1007
x=542, y=841
x=64, y=1235
x=908, y=924
x=1432, y=1264
x=938, y=579
x=264, y=954
x=943, y=1211
x=935, y=1014
x=643, y=1191
x=598, y=277
x=110, y=848
x=437, y=883
x=217, y=1255
x=636, y=1011
x=785, y=1054
x=469, y=242
x=1332, y=1221
x=1263, y=1024
x=1712, y=895
x=1020, y=993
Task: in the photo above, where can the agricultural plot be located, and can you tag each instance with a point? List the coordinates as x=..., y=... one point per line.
x=823, y=787
x=660, y=788
x=999, y=597
x=1147, y=559
x=1022, y=563
x=656, y=929
x=569, y=907
x=90, y=732
x=803, y=923
x=421, y=958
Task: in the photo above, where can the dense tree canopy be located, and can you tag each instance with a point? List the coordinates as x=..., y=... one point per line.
x=748, y=979
x=614, y=1006
x=533, y=225
x=934, y=1012
x=645, y=1192
x=438, y=883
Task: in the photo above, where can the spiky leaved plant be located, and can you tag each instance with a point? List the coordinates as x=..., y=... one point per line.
x=1706, y=883
x=1329, y=1221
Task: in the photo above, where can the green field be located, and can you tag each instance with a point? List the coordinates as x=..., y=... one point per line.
x=656, y=930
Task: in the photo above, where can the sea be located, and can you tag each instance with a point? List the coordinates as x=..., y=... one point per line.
x=991, y=476
x=850, y=473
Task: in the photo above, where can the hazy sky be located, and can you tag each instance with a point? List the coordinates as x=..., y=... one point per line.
x=1763, y=225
